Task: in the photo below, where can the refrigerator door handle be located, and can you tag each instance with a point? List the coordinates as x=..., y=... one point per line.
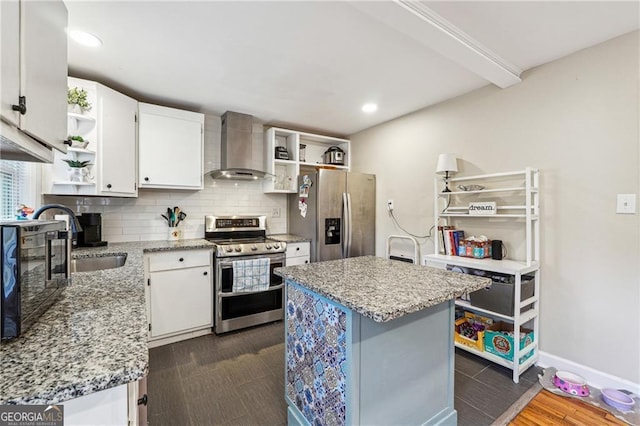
x=345, y=224
x=350, y=228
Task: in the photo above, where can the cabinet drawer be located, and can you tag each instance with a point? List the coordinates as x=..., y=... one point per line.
x=297, y=249
x=300, y=260
x=179, y=259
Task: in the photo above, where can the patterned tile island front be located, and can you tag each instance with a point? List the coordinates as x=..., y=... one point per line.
x=370, y=341
x=94, y=338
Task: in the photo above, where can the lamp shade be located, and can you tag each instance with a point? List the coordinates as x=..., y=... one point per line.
x=447, y=163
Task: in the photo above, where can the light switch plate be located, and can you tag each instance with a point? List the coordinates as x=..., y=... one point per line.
x=626, y=204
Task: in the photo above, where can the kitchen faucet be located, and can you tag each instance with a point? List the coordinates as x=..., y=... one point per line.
x=74, y=223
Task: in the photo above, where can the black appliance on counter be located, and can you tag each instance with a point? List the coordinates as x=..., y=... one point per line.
x=241, y=239
x=34, y=270
x=91, y=234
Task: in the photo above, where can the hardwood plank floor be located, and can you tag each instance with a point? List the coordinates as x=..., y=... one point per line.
x=547, y=408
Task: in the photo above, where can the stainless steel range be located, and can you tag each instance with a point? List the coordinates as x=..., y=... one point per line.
x=246, y=291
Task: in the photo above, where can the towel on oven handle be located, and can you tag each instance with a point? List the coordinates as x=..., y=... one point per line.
x=251, y=275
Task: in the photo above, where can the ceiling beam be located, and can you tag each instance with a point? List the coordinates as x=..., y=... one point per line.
x=422, y=24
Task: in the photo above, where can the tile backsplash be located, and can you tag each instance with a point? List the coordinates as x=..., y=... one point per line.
x=138, y=219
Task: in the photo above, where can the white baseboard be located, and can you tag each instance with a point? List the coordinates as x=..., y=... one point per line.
x=593, y=377
x=177, y=338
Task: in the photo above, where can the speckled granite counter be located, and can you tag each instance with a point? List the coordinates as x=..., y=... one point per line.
x=382, y=289
x=289, y=238
x=93, y=338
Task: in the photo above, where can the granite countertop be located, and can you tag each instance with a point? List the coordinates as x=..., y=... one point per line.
x=93, y=338
x=289, y=238
x=382, y=289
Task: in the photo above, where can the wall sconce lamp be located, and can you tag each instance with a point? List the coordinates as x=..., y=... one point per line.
x=447, y=163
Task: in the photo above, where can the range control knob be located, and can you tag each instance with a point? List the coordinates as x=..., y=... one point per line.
x=268, y=246
x=229, y=249
x=254, y=248
x=238, y=249
x=276, y=246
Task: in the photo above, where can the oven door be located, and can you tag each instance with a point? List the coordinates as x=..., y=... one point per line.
x=235, y=310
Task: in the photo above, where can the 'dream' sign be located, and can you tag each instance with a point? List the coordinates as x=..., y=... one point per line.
x=483, y=208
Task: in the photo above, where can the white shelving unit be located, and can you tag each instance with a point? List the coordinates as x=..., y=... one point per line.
x=517, y=201
x=110, y=127
x=285, y=172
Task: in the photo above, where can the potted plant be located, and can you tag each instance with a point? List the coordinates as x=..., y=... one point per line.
x=77, y=100
x=78, y=141
x=78, y=170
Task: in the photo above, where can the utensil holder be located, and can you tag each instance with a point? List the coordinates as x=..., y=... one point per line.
x=174, y=234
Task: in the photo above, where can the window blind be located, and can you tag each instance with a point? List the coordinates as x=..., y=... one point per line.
x=14, y=186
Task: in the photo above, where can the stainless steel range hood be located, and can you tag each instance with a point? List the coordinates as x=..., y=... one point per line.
x=236, y=149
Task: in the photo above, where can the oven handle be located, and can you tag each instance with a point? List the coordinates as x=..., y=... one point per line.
x=228, y=261
x=244, y=293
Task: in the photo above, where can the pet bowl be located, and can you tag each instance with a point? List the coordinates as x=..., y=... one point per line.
x=617, y=399
x=571, y=383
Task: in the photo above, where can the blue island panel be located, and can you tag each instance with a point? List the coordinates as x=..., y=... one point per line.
x=316, y=348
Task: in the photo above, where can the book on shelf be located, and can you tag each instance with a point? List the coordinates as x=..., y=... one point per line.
x=442, y=237
x=458, y=235
x=450, y=239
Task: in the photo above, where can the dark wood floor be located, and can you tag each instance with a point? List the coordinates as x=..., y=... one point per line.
x=238, y=379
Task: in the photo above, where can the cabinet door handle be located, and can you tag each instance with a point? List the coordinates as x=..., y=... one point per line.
x=205, y=273
x=146, y=179
x=181, y=259
x=22, y=105
x=143, y=400
x=109, y=185
x=297, y=248
x=67, y=142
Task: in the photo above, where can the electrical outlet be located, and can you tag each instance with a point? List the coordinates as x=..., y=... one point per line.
x=390, y=205
x=626, y=204
x=275, y=212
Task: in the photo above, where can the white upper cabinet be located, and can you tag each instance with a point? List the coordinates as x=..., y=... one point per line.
x=117, y=134
x=170, y=148
x=109, y=130
x=34, y=69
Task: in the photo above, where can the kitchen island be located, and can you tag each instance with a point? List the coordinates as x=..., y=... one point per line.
x=93, y=339
x=370, y=341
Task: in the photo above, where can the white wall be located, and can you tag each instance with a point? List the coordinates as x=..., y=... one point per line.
x=577, y=120
x=136, y=219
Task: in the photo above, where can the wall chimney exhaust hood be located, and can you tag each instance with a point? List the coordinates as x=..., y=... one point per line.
x=236, y=149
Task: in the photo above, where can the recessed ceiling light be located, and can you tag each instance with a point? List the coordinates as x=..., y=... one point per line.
x=369, y=108
x=85, y=38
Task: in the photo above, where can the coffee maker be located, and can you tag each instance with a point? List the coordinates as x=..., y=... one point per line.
x=91, y=234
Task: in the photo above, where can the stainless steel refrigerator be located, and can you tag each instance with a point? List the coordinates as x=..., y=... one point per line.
x=339, y=213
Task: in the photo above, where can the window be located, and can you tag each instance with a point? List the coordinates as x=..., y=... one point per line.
x=17, y=181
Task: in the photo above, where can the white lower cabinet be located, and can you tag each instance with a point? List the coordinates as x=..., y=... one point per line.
x=297, y=253
x=124, y=405
x=179, y=294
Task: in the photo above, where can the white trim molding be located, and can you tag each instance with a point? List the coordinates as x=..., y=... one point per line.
x=433, y=31
x=593, y=377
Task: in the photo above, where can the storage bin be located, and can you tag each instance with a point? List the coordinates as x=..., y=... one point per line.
x=471, y=318
x=499, y=297
x=497, y=341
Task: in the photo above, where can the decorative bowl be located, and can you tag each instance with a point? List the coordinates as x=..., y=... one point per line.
x=470, y=187
x=571, y=383
x=617, y=399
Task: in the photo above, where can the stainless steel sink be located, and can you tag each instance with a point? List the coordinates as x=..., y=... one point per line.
x=87, y=264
